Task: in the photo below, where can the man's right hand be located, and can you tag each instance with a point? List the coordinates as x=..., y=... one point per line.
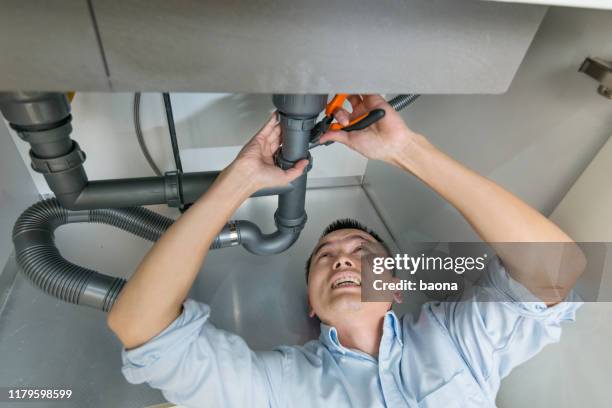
x=384, y=140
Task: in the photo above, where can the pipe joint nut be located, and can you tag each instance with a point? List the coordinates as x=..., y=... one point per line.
x=53, y=134
x=287, y=164
x=34, y=110
x=172, y=189
x=294, y=225
x=71, y=160
x=299, y=124
x=228, y=237
x=300, y=105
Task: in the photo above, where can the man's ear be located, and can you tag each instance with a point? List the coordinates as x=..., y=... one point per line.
x=398, y=297
x=311, y=312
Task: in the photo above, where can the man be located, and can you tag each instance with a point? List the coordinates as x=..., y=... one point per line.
x=451, y=355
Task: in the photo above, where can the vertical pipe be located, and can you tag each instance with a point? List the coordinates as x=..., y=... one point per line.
x=43, y=120
x=298, y=115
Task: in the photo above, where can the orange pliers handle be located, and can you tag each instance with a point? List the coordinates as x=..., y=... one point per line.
x=332, y=107
x=335, y=104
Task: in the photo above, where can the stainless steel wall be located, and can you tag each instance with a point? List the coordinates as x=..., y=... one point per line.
x=17, y=190
x=534, y=140
x=46, y=342
x=576, y=371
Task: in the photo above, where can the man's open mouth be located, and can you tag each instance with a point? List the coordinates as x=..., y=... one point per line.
x=346, y=281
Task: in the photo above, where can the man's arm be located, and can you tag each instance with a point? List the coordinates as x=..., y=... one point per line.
x=499, y=217
x=153, y=296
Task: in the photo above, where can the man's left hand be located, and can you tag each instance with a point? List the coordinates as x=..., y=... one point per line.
x=256, y=159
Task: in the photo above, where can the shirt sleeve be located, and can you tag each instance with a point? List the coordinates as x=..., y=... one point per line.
x=495, y=331
x=195, y=364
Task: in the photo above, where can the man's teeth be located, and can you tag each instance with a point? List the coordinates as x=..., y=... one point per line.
x=346, y=282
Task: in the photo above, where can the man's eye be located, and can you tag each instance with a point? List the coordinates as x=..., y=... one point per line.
x=323, y=255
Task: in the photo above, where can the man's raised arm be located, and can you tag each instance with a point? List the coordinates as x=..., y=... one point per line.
x=153, y=296
x=498, y=216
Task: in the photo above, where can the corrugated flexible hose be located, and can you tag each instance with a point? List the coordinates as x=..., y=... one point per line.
x=41, y=262
x=401, y=101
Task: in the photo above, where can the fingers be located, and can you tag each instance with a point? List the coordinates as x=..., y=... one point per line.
x=343, y=117
x=374, y=100
x=357, y=105
x=296, y=171
x=272, y=148
x=335, y=136
x=271, y=136
x=269, y=125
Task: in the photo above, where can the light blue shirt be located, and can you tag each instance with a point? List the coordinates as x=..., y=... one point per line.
x=453, y=354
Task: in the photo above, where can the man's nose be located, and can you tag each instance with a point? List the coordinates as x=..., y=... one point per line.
x=343, y=261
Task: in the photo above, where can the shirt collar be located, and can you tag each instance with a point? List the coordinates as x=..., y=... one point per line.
x=329, y=337
x=395, y=325
x=391, y=326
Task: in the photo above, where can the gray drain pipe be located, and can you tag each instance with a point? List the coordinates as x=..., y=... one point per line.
x=43, y=120
x=41, y=262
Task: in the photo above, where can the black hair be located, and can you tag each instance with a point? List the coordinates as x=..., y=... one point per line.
x=346, y=223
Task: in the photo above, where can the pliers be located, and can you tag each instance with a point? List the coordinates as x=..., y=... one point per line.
x=326, y=124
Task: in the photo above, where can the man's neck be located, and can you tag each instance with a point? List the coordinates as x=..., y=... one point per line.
x=361, y=334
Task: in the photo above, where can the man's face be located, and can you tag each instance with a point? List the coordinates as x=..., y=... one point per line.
x=334, y=283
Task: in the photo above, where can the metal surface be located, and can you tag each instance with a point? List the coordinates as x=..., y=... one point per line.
x=46, y=342
x=412, y=46
x=582, y=358
x=49, y=45
x=261, y=298
x=139, y=136
x=601, y=71
x=535, y=140
x=16, y=191
x=265, y=46
x=597, y=4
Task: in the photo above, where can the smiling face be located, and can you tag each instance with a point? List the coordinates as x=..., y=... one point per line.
x=334, y=282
